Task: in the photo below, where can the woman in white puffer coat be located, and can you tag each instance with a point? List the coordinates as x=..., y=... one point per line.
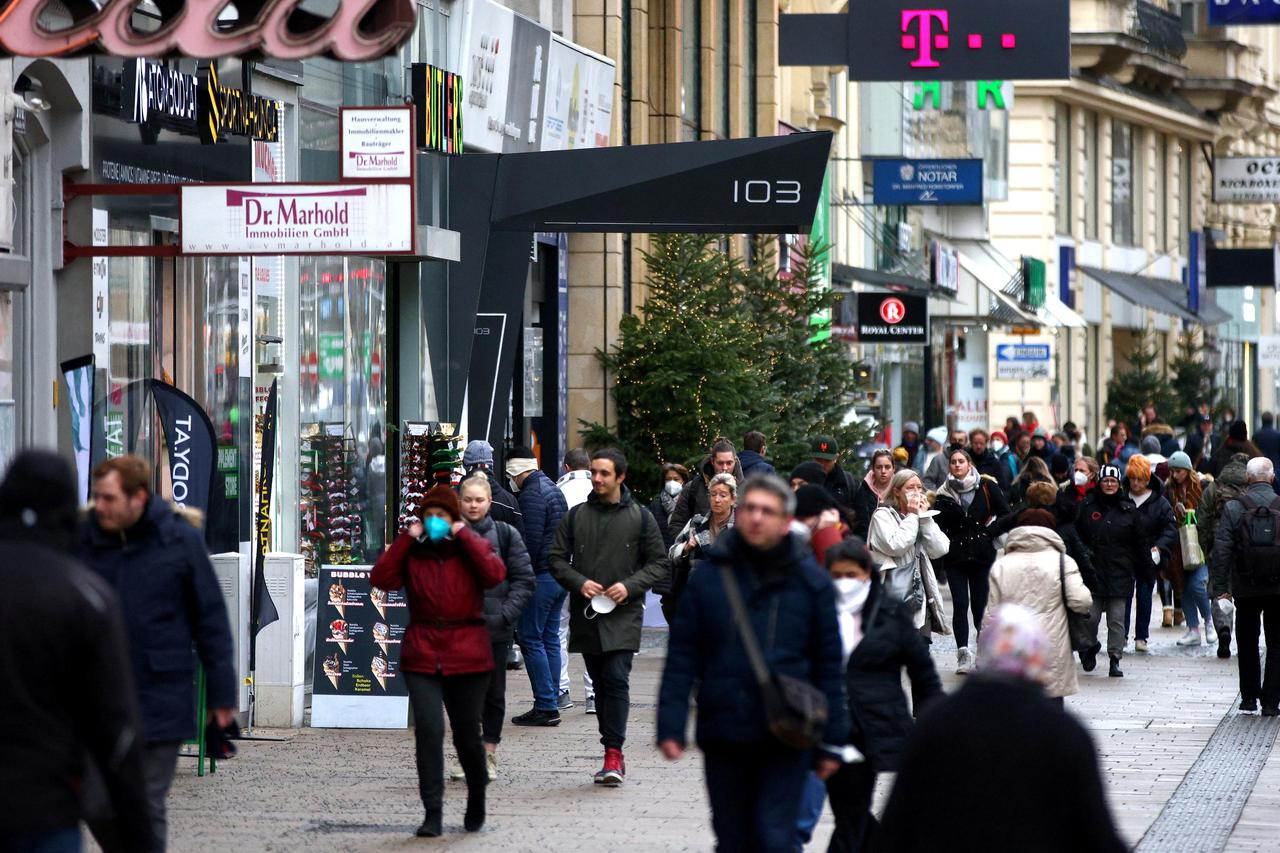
x=1031, y=573
x=905, y=540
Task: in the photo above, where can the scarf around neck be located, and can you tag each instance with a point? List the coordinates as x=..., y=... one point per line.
x=870, y=480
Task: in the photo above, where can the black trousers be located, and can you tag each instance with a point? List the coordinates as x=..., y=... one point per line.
x=495, y=699
x=611, y=675
x=755, y=791
x=1252, y=616
x=462, y=696
x=970, y=587
x=849, y=792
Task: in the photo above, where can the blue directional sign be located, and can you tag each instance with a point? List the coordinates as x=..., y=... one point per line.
x=1225, y=12
x=1025, y=362
x=927, y=182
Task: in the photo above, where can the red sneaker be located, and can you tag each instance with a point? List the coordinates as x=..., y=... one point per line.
x=614, y=771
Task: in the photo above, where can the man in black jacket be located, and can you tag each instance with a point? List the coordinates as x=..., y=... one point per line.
x=479, y=457
x=987, y=462
x=64, y=673
x=155, y=559
x=1248, y=571
x=840, y=483
x=1268, y=438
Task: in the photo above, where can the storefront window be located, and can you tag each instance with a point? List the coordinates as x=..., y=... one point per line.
x=1062, y=169
x=749, y=65
x=131, y=298
x=691, y=69
x=722, y=47
x=1161, y=165
x=1123, y=182
x=342, y=401
x=1089, y=175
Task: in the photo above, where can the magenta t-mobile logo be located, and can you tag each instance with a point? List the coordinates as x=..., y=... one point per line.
x=931, y=35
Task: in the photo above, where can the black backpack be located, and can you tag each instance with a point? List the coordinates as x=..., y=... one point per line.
x=1258, y=539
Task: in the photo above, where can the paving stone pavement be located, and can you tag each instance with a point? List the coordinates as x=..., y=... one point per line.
x=321, y=790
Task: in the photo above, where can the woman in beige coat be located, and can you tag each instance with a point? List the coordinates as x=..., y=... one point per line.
x=1028, y=574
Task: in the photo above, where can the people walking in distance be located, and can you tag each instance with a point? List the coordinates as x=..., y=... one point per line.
x=808, y=472
x=879, y=644
x=698, y=537
x=1244, y=567
x=935, y=458
x=445, y=568
x=970, y=511
x=1237, y=441
x=1111, y=529
x=1036, y=572
x=1033, y=470
x=503, y=605
x=1184, y=493
x=839, y=482
x=753, y=453
x=1229, y=485
x=542, y=506
x=759, y=588
x=695, y=499
x=1267, y=439
x=1000, y=733
x=1159, y=534
x=154, y=557
x=872, y=491
x=64, y=675
x=575, y=485
x=608, y=552
x=905, y=540
x=986, y=460
x=673, y=479
x=1084, y=479
x=1042, y=496
x=1201, y=443
x=478, y=457
x=911, y=444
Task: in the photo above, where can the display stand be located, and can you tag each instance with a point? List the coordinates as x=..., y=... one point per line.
x=332, y=530
x=430, y=455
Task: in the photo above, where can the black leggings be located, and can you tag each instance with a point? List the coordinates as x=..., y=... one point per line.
x=462, y=696
x=495, y=699
x=849, y=792
x=969, y=590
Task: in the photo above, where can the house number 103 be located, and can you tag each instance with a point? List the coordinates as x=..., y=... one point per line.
x=766, y=192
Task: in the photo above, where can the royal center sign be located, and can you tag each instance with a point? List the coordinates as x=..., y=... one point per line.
x=291, y=219
x=896, y=40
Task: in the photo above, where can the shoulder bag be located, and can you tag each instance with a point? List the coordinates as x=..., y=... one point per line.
x=1077, y=623
x=795, y=710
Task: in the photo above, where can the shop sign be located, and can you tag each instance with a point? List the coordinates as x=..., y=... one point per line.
x=437, y=94
x=1223, y=13
x=987, y=94
x=894, y=40
x=946, y=268
x=101, y=307
x=1269, y=352
x=283, y=219
x=892, y=318
x=932, y=182
x=161, y=95
x=376, y=143
x=1246, y=180
x=352, y=33
x=224, y=111
x=1023, y=362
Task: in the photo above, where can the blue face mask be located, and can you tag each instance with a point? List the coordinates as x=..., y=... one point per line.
x=437, y=528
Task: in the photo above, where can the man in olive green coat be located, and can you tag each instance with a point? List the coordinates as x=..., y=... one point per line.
x=608, y=553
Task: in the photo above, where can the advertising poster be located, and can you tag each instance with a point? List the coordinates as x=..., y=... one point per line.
x=78, y=375
x=487, y=72
x=377, y=144
x=359, y=631
x=579, y=100
x=527, y=92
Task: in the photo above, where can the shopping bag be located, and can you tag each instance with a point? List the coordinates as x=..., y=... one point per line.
x=1189, y=537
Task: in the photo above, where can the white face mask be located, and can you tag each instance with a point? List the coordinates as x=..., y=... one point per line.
x=997, y=445
x=1080, y=478
x=672, y=487
x=851, y=594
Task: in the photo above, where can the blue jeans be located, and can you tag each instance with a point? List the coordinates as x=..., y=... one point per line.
x=540, y=641
x=811, y=803
x=1195, y=599
x=755, y=791
x=1142, y=619
x=65, y=840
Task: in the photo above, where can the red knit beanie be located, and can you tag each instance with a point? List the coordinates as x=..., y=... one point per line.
x=444, y=498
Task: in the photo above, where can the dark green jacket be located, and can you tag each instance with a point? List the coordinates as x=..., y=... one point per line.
x=608, y=543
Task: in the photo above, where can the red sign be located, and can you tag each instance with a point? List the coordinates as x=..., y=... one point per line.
x=892, y=311
x=193, y=30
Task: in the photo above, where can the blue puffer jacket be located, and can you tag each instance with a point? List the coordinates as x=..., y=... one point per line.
x=791, y=603
x=542, y=504
x=754, y=463
x=171, y=602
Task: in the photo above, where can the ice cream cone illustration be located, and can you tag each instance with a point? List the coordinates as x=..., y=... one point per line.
x=380, y=634
x=333, y=669
x=379, y=599
x=334, y=679
x=379, y=668
x=339, y=634
x=338, y=598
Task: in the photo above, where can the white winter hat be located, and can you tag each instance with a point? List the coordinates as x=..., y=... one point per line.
x=937, y=434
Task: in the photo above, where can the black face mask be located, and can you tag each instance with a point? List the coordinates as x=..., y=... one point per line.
x=1107, y=499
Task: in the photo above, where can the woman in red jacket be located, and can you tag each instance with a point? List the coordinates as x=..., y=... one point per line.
x=446, y=658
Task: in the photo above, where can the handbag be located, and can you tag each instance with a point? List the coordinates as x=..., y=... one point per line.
x=1077, y=623
x=795, y=710
x=1189, y=537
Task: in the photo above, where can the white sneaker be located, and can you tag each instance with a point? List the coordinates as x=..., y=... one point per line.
x=1191, y=638
x=491, y=764
x=1139, y=645
x=1210, y=637
x=964, y=660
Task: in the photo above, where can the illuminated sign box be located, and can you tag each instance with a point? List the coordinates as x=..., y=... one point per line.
x=931, y=182
x=437, y=96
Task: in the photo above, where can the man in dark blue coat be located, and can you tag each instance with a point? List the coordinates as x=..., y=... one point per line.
x=542, y=505
x=155, y=560
x=1268, y=438
x=754, y=781
x=752, y=456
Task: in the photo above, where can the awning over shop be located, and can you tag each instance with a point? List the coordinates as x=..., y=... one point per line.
x=1006, y=276
x=1159, y=294
x=847, y=275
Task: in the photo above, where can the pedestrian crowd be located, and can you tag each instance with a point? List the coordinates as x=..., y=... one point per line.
x=795, y=607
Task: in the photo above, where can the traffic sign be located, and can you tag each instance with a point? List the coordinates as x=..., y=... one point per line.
x=1023, y=362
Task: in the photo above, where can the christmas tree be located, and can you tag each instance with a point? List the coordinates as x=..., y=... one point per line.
x=1142, y=384
x=1192, y=377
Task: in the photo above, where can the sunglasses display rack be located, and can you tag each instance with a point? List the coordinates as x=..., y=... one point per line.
x=429, y=454
x=332, y=531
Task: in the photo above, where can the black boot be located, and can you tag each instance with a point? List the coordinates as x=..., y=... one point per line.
x=1224, y=643
x=1089, y=657
x=431, y=827
x=1115, y=667
x=474, y=818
